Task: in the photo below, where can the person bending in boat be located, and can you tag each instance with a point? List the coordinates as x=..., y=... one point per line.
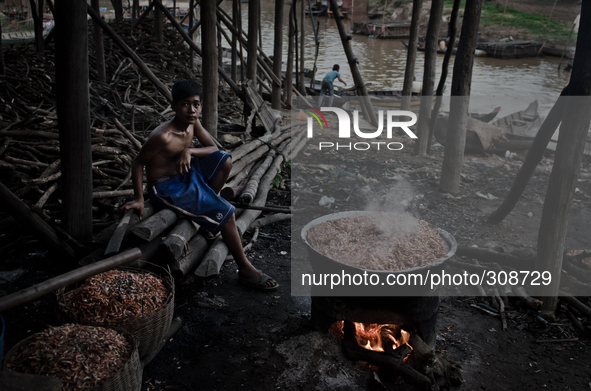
x=327, y=85
x=187, y=180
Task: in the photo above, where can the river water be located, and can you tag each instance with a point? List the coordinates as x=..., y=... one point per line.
x=511, y=84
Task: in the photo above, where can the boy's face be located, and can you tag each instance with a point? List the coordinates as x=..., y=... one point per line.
x=188, y=109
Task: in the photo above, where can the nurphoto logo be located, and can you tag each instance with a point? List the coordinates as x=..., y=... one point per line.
x=393, y=121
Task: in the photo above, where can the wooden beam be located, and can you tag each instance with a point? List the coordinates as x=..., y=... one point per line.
x=277, y=54
x=71, y=72
x=99, y=47
x=209, y=67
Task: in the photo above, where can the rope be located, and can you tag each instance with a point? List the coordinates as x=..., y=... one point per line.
x=185, y=243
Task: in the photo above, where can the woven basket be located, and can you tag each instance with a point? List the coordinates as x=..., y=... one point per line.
x=127, y=378
x=148, y=330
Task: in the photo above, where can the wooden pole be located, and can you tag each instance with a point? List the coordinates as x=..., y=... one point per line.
x=63, y=280
x=431, y=46
x=191, y=21
x=235, y=43
x=71, y=72
x=158, y=26
x=444, y=70
x=277, y=54
x=209, y=66
x=142, y=16
x=118, y=6
x=134, y=57
x=411, y=55
x=38, y=26
x=345, y=38
x=2, y=66
x=254, y=7
x=533, y=158
x=99, y=47
x=302, y=40
x=460, y=92
x=567, y=163
x=290, y=45
x=32, y=221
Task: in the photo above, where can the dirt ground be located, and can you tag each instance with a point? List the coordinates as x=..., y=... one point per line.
x=234, y=338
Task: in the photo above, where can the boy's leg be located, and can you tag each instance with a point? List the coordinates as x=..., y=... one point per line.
x=331, y=94
x=321, y=97
x=232, y=239
x=222, y=176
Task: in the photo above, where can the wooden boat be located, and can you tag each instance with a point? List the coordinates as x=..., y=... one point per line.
x=379, y=30
x=514, y=132
x=421, y=48
x=510, y=49
x=556, y=51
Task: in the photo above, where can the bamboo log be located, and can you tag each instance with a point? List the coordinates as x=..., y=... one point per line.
x=131, y=54
x=155, y=225
x=149, y=251
x=66, y=279
x=22, y=213
x=252, y=186
x=198, y=246
x=177, y=241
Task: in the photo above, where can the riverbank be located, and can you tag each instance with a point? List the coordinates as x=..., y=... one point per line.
x=542, y=21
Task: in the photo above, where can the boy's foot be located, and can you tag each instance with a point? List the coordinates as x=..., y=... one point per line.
x=262, y=282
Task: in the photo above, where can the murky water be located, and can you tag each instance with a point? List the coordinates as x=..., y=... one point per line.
x=511, y=84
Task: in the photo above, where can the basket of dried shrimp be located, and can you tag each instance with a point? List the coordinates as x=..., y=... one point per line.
x=125, y=299
x=81, y=357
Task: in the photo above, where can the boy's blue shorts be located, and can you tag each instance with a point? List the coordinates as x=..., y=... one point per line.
x=189, y=194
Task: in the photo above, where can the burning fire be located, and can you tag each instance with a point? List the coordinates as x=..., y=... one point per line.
x=378, y=337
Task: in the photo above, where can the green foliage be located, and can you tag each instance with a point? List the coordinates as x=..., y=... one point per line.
x=288, y=164
x=538, y=25
x=276, y=182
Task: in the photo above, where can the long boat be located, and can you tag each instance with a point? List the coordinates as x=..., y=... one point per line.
x=421, y=48
x=513, y=132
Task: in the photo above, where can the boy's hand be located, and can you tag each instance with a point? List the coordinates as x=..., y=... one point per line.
x=183, y=165
x=135, y=204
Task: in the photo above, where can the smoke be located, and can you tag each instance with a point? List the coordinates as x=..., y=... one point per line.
x=393, y=206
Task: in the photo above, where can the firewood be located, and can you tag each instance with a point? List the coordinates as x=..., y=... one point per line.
x=127, y=134
x=503, y=259
x=177, y=241
x=198, y=246
x=274, y=218
x=154, y=225
x=501, y=309
x=251, y=187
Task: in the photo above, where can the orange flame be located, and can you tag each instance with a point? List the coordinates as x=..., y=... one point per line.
x=375, y=336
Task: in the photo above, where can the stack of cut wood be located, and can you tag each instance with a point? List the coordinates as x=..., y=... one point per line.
x=123, y=113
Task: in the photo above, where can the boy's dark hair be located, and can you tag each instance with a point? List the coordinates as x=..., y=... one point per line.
x=183, y=89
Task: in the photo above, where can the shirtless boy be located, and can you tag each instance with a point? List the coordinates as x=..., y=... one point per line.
x=187, y=180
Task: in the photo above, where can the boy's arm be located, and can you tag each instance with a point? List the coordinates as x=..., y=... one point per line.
x=208, y=147
x=147, y=152
x=341, y=80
